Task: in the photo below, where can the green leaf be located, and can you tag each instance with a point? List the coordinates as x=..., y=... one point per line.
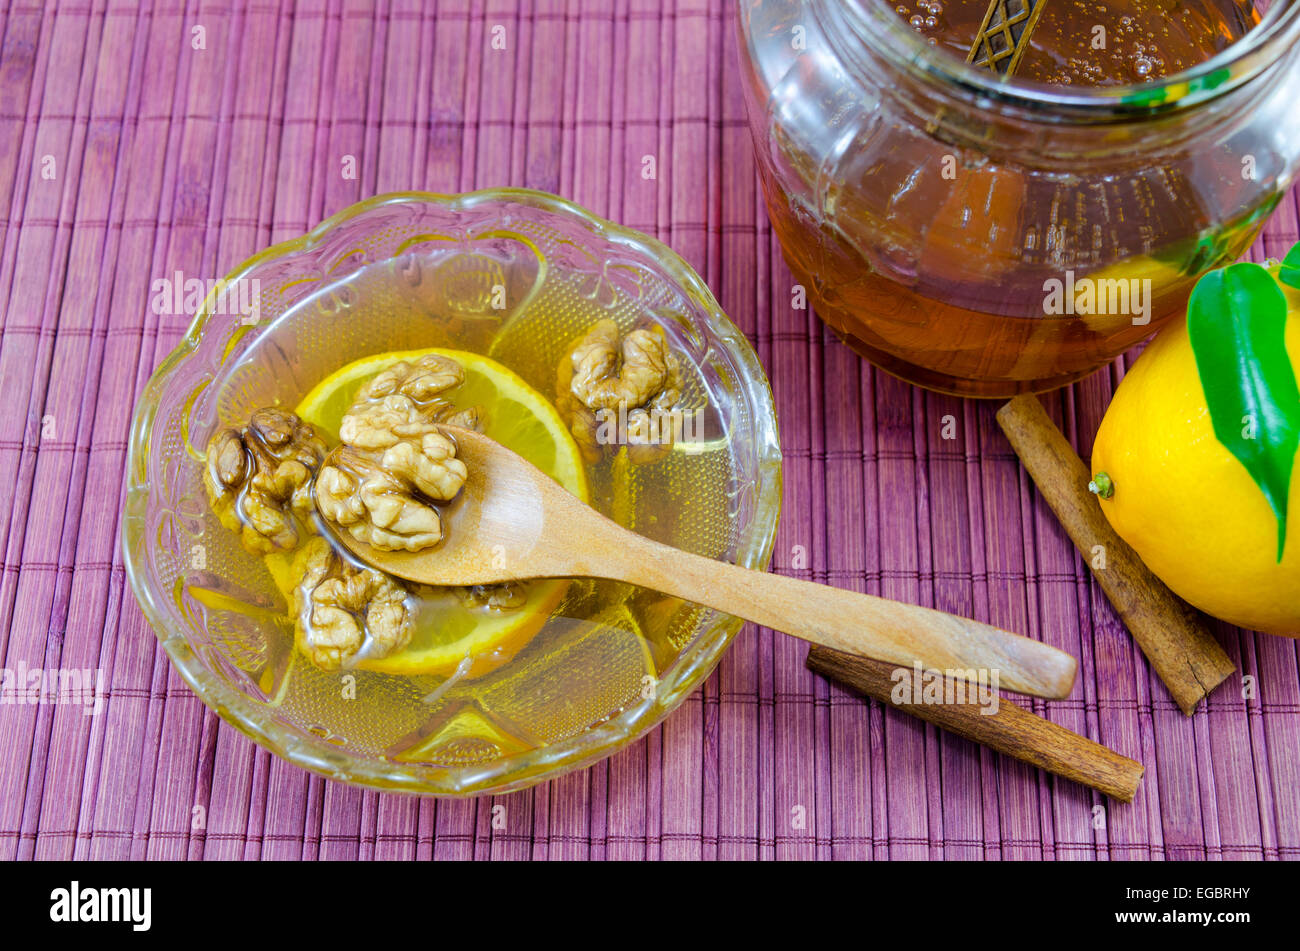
x=1146, y=96
x=1236, y=320
x=1198, y=253
x=1290, y=272
x=1212, y=80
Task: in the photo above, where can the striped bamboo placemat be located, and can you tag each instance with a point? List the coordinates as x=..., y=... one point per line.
x=139, y=140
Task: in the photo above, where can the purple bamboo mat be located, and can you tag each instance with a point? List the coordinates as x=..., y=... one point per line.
x=126, y=154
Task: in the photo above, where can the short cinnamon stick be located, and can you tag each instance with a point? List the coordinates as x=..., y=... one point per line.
x=1012, y=730
x=1173, y=635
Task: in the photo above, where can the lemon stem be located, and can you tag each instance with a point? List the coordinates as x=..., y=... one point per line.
x=1101, y=486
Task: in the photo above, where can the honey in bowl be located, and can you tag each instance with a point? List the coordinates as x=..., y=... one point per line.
x=516, y=277
x=947, y=233
x=467, y=676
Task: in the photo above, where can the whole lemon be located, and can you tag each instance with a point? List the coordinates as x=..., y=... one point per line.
x=1185, y=504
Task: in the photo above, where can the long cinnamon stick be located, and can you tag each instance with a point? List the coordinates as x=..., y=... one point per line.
x=1172, y=634
x=1012, y=730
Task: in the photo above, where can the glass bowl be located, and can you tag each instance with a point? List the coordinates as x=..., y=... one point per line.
x=512, y=274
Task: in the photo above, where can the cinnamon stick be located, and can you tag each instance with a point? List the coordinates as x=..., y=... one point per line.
x=1173, y=635
x=1012, y=730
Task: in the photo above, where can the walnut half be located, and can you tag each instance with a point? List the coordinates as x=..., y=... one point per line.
x=385, y=497
x=258, y=478
x=340, y=609
x=404, y=401
x=396, y=461
x=614, y=390
x=504, y=596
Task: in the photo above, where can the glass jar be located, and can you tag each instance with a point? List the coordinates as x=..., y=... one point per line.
x=986, y=237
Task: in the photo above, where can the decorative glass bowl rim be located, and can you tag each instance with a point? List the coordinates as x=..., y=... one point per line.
x=515, y=771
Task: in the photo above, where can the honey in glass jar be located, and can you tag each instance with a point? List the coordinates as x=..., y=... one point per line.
x=985, y=234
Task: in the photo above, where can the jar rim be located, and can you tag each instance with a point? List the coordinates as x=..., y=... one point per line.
x=875, y=24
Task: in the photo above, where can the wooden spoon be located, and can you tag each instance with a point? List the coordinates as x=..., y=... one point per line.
x=513, y=522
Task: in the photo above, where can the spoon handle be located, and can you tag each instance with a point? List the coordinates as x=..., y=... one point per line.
x=845, y=620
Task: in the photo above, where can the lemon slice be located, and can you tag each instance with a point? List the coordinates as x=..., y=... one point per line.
x=447, y=630
x=517, y=416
